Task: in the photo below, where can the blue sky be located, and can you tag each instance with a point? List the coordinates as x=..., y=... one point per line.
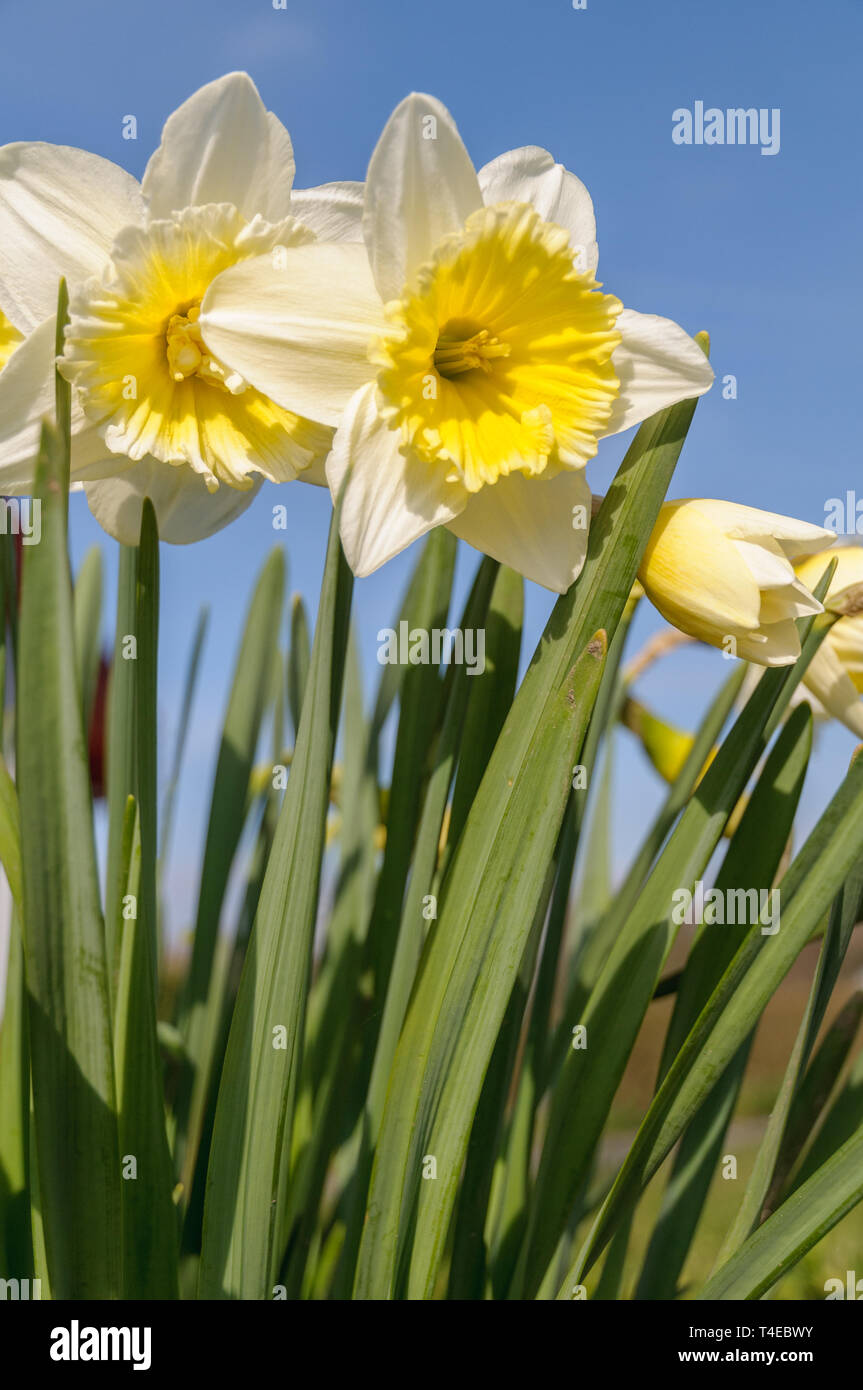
x=764, y=252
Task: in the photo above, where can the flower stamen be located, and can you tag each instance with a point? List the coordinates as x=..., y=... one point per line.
x=188, y=354
x=455, y=353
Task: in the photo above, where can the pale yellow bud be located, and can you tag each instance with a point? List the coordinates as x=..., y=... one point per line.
x=722, y=573
x=835, y=674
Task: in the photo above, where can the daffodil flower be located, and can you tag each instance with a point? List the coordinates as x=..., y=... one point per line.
x=722, y=573
x=466, y=353
x=835, y=674
x=156, y=412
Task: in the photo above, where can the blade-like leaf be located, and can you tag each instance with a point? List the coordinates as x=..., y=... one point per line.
x=67, y=982
x=200, y=1006
x=759, y=965
x=752, y=861
x=250, y=1154
x=299, y=659
x=813, y=1210
x=149, y=1217
x=88, y=628
x=612, y=1015
x=190, y=684
x=618, y=536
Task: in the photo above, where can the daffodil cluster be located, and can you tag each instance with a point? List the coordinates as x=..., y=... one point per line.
x=433, y=343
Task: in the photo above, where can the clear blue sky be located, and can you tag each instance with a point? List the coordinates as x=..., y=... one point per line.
x=764, y=252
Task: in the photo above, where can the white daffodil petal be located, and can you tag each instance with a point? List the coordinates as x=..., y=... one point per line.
x=60, y=209
x=830, y=683
x=420, y=185
x=185, y=510
x=530, y=525
x=766, y=563
x=530, y=175
x=749, y=523
x=333, y=211
x=391, y=498
x=222, y=146
x=300, y=332
x=658, y=364
x=778, y=644
x=26, y=398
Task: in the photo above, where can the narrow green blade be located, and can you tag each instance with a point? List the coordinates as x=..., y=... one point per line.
x=200, y=1006
x=759, y=965
x=67, y=981
x=752, y=861
x=617, y=538
x=149, y=1216
x=299, y=660
x=613, y=1013
x=250, y=1153
x=813, y=1210
x=88, y=628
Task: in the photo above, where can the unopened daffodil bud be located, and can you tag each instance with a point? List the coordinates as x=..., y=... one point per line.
x=722, y=573
x=835, y=674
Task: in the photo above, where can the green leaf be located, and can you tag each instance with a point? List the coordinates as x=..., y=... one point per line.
x=843, y=1117
x=16, y=1249
x=491, y=695
x=299, y=659
x=200, y=1006
x=759, y=965
x=421, y=697
x=88, y=628
x=250, y=1154
x=594, y=947
x=764, y=1169
x=414, y=916
x=752, y=861
x=149, y=1217
x=469, y=968
x=813, y=1093
x=190, y=684
x=419, y=897
x=121, y=748
x=10, y=835
x=618, y=536
x=813, y=1210
x=496, y=1177
x=625, y=986
x=340, y=1013
x=70, y=1027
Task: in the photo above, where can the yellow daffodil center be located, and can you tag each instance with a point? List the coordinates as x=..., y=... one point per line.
x=9, y=339
x=455, y=354
x=143, y=370
x=499, y=359
x=188, y=354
